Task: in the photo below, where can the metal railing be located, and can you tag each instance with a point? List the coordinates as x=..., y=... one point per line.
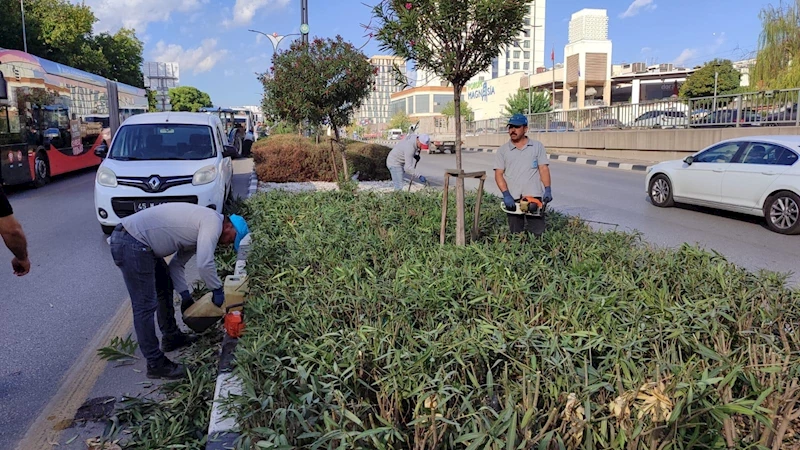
x=750, y=109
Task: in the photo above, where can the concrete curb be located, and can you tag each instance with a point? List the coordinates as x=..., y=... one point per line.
x=224, y=431
x=575, y=159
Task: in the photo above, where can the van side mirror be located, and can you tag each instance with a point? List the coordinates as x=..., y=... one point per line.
x=689, y=160
x=229, y=151
x=101, y=151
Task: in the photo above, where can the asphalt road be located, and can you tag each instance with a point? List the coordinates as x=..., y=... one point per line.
x=73, y=288
x=616, y=199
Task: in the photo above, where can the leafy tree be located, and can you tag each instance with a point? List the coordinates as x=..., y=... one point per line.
x=61, y=31
x=123, y=53
x=778, y=58
x=454, y=39
x=400, y=120
x=188, y=98
x=449, y=111
x=152, y=101
x=323, y=82
x=517, y=103
x=701, y=82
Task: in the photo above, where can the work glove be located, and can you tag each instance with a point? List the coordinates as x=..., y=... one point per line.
x=416, y=157
x=422, y=179
x=548, y=195
x=508, y=201
x=219, y=297
x=186, y=300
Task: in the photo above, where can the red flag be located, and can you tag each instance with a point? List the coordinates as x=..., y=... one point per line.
x=553, y=54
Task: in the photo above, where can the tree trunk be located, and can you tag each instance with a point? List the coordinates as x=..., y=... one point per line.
x=461, y=238
x=345, y=173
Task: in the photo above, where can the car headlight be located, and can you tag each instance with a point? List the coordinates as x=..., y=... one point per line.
x=106, y=177
x=205, y=175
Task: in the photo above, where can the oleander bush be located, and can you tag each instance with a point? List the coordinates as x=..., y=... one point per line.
x=363, y=332
x=291, y=158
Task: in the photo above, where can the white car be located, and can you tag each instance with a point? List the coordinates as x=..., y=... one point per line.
x=163, y=157
x=756, y=175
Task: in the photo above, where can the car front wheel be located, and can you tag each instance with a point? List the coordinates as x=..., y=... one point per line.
x=782, y=212
x=660, y=191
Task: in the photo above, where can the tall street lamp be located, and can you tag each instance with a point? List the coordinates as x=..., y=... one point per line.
x=275, y=38
x=24, y=36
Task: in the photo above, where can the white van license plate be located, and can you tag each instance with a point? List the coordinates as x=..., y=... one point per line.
x=138, y=206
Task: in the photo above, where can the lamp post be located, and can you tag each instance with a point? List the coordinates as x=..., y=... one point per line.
x=716, y=79
x=24, y=36
x=275, y=38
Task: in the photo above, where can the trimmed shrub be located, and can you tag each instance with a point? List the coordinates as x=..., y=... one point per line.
x=291, y=158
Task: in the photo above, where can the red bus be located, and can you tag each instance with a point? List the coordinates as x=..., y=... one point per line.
x=53, y=118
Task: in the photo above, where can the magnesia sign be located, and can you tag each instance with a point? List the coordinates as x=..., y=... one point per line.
x=479, y=90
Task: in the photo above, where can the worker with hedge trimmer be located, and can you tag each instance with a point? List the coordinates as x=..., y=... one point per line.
x=139, y=245
x=522, y=173
x=404, y=158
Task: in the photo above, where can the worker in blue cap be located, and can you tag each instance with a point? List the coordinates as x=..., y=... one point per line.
x=522, y=171
x=139, y=245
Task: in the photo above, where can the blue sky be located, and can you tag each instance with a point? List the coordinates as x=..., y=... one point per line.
x=217, y=54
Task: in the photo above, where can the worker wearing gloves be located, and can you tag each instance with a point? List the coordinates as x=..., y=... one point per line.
x=522, y=169
x=139, y=245
x=404, y=157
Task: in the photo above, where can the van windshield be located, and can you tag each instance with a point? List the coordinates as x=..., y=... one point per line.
x=163, y=142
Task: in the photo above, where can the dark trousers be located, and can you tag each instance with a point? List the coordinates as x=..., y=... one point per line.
x=150, y=288
x=518, y=223
x=246, y=148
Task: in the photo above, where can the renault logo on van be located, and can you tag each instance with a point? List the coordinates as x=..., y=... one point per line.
x=154, y=182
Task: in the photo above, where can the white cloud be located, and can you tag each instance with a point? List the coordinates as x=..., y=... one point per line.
x=695, y=56
x=245, y=10
x=199, y=60
x=646, y=50
x=686, y=55
x=136, y=14
x=638, y=6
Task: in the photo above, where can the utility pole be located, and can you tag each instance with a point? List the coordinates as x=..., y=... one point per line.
x=24, y=36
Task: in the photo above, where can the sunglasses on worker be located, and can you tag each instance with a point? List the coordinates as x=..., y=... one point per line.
x=514, y=126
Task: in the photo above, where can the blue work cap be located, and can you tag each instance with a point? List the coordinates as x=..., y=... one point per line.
x=241, y=229
x=518, y=120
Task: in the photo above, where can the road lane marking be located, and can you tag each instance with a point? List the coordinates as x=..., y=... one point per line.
x=76, y=385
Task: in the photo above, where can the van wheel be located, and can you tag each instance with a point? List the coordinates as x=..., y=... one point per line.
x=41, y=169
x=107, y=229
x=782, y=212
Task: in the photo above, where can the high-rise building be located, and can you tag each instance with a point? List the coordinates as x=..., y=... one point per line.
x=161, y=77
x=375, y=109
x=588, y=25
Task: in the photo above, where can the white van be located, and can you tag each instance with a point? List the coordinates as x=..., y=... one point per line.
x=159, y=158
x=394, y=134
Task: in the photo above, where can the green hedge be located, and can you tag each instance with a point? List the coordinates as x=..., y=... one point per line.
x=363, y=332
x=291, y=158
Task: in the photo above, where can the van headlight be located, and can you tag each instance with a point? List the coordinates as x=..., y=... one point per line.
x=205, y=175
x=106, y=177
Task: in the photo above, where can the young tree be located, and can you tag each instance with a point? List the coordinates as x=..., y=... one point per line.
x=323, y=82
x=400, y=120
x=701, y=82
x=778, y=58
x=518, y=103
x=449, y=111
x=455, y=39
x=188, y=98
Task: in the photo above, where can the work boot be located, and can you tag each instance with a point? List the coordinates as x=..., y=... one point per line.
x=172, y=342
x=165, y=369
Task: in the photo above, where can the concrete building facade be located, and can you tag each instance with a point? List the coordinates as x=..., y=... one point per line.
x=587, y=80
x=376, y=108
